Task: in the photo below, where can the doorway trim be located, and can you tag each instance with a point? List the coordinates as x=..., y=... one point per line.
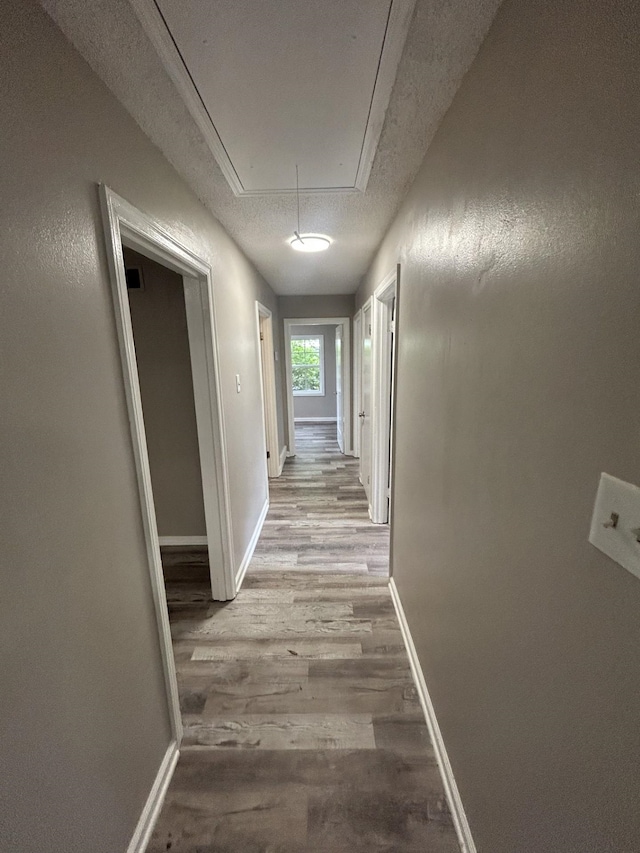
x=268, y=389
x=357, y=380
x=125, y=225
x=381, y=396
x=345, y=322
x=366, y=307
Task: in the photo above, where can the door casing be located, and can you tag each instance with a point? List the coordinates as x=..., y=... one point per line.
x=125, y=225
x=366, y=394
x=266, y=355
x=339, y=391
x=382, y=391
x=357, y=380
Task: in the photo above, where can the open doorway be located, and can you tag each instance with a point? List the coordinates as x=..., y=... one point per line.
x=161, y=338
x=319, y=382
x=314, y=369
x=165, y=375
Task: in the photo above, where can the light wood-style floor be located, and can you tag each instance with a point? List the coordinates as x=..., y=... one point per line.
x=303, y=732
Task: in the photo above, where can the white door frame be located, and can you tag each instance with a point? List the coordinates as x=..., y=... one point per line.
x=345, y=322
x=381, y=389
x=367, y=308
x=338, y=353
x=357, y=380
x=128, y=226
x=268, y=390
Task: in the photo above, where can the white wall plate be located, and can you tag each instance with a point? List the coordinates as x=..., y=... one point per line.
x=615, y=526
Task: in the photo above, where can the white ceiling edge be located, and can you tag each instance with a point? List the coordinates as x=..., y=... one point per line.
x=400, y=16
x=156, y=29
x=443, y=40
x=394, y=41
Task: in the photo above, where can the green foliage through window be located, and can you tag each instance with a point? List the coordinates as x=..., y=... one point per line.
x=306, y=364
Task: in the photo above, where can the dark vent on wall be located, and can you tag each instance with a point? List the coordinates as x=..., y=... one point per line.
x=134, y=278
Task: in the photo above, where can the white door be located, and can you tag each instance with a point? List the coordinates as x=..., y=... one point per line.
x=365, y=414
x=339, y=398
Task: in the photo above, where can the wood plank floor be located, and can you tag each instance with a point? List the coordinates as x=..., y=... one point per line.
x=318, y=518
x=303, y=731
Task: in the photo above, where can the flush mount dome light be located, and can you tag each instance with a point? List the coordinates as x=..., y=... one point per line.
x=309, y=242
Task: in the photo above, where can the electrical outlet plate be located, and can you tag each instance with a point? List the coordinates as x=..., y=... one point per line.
x=620, y=542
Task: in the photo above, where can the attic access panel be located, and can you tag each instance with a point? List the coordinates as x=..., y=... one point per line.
x=289, y=82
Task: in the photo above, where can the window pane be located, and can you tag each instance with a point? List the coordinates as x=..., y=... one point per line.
x=306, y=351
x=307, y=364
x=305, y=378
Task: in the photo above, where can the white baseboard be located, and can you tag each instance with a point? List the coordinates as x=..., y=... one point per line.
x=151, y=810
x=283, y=456
x=451, y=789
x=251, y=547
x=186, y=541
x=315, y=420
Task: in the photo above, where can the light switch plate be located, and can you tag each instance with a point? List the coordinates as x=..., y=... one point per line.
x=620, y=541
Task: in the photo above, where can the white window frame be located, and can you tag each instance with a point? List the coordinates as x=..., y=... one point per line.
x=321, y=392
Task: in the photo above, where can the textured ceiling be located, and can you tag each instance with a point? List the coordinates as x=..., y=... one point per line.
x=444, y=37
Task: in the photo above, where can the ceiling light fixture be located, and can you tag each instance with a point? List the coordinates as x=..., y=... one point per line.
x=307, y=242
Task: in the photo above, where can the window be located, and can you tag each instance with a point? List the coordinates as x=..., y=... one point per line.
x=307, y=365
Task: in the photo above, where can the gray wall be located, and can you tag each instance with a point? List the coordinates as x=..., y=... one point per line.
x=293, y=307
x=159, y=320
x=82, y=707
x=518, y=366
x=324, y=406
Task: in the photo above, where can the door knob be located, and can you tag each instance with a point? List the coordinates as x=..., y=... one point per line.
x=361, y=414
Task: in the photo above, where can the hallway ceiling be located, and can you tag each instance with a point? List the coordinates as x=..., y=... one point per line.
x=236, y=92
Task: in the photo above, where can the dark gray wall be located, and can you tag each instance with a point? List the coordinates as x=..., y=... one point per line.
x=518, y=366
x=83, y=713
x=159, y=320
x=322, y=406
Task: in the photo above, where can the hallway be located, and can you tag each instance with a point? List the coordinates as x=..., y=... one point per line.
x=318, y=517
x=303, y=731
x=191, y=188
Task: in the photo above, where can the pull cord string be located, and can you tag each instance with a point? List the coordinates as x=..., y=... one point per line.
x=297, y=233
